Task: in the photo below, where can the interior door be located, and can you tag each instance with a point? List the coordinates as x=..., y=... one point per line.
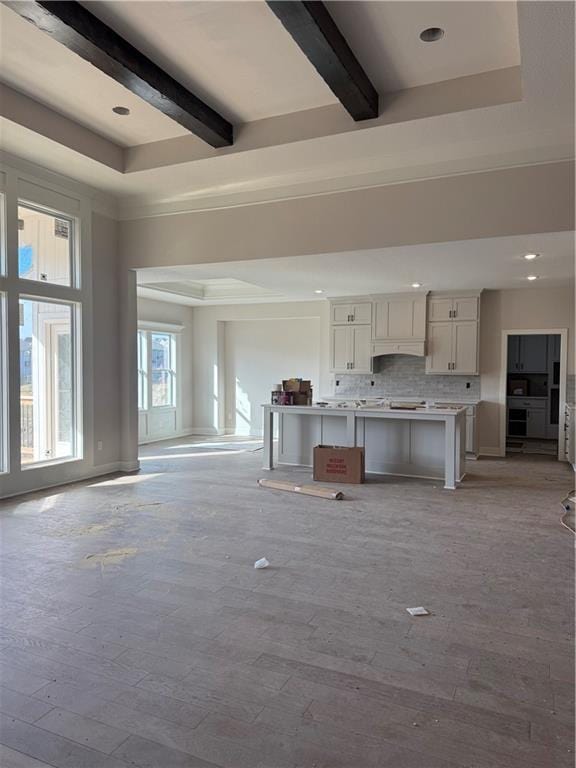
x=465, y=358
x=439, y=348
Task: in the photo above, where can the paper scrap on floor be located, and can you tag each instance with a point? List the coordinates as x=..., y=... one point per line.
x=419, y=611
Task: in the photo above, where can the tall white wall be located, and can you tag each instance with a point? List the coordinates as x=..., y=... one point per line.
x=258, y=354
x=270, y=323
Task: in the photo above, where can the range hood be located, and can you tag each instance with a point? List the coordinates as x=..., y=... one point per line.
x=416, y=348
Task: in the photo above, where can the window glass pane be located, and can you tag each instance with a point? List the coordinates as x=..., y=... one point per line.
x=161, y=388
x=47, y=412
x=45, y=246
x=160, y=351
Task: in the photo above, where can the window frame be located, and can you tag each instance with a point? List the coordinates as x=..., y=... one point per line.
x=74, y=239
x=76, y=363
x=173, y=332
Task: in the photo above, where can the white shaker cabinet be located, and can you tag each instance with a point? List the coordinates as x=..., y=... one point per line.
x=350, y=349
x=453, y=329
x=353, y=313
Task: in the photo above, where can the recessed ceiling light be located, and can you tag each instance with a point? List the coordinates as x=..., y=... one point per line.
x=318, y=290
x=532, y=277
x=531, y=256
x=431, y=35
x=121, y=110
x=416, y=285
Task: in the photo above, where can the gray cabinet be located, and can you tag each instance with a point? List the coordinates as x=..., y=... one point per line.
x=528, y=353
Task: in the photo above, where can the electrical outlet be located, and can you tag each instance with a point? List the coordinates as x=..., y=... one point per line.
x=467, y=385
x=99, y=445
x=371, y=383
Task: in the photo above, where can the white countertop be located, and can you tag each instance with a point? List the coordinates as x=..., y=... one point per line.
x=367, y=410
x=403, y=399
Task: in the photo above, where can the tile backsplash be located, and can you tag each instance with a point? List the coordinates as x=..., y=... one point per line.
x=404, y=375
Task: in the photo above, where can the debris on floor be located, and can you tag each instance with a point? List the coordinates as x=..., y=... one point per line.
x=419, y=611
x=112, y=556
x=308, y=490
x=262, y=563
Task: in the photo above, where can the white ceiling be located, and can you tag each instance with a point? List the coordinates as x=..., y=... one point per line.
x=238, y=57
x=495, y=263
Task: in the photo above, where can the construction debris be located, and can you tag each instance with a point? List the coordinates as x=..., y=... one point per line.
x=308, y=490
x=419, y=611
x=262, y=563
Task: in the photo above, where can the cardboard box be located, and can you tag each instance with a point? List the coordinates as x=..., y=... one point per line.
x=336, y=464
x=296, y=385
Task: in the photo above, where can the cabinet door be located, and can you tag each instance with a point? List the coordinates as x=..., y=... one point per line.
x=339, y=348
x=465, y=308
x=536, y=423
x=362, y=313
x=534, y=353
x=361, y=338
x=439, y=309
x=513, y=354
x=341, y=313
x=439, y=358
x=465, y=357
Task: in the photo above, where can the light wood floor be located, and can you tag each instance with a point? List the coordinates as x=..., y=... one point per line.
x=135, y=631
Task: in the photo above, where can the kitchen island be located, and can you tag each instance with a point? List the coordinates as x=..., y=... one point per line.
x=424, y=442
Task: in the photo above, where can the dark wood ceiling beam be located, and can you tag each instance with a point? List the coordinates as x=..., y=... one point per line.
x=316, y=33
x=79, y=30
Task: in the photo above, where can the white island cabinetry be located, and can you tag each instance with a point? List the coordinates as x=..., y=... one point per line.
x=429, y=442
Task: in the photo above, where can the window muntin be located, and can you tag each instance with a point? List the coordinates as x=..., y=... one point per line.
x=45, y=246
x=48, y=365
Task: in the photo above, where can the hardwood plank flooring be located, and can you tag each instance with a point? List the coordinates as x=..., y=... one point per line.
x=134, y=630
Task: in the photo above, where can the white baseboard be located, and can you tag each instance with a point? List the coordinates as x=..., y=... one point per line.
x=493, y=452
x=97, y=471
x=171, y=436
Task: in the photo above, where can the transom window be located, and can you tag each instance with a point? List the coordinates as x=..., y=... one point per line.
x=45, y=246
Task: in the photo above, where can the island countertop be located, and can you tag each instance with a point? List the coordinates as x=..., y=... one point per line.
x=426, y=442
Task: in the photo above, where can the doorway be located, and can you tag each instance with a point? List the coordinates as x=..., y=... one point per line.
x=533, y=391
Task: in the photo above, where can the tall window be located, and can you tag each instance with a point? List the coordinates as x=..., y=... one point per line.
x=156, y=370
x=47, y=409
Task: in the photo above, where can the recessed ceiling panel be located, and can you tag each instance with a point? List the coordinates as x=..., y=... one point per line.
x=385, y=36
x=236, y=56
x=32, y=62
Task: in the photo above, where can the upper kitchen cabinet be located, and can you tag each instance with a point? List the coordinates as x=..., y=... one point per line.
x=453, y=332
x=528, y=353
x=400, y=317
x=353, y=313
x=350, y=349
x=443, y=307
